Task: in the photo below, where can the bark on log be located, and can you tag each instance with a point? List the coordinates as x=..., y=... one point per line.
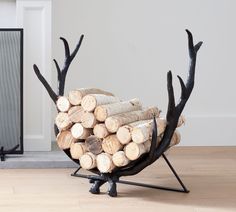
x=88, y=161
x=114, y=122
x=124, y=132
x=111, y=144
x=133, y=151
x=75, y=96
x=105, y=163
x=100, y=131
x=91, y=101
x=63, y=104
x=93, y=144
x=77, y=150
x=62, y=121
x=79, y=132
x=143, y=132
x=120, y=159
x=88, y=120
x=75, y=113
x=65, y=139
x=102, y=112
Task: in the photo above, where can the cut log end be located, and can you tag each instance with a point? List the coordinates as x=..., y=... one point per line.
x=100, y=131
x=77, y=150
x=111, y=144
x=63, y=104
x=133, y=151
x=79, y=132
x=124, y=134
x=88, y=120
x=75, y=113
x=120, y=159
x=104, y=163
x=62, y=121
x=75, y=97
x=93, y=144
x=88, y=161
x=65, y=139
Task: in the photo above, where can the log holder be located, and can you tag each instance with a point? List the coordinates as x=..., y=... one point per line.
x=173, y=113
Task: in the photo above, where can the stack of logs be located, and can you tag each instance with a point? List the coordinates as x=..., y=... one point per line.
x=104, y=132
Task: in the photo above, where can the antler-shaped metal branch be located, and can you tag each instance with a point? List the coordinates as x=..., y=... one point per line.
x=61, y=73
x=173, y=114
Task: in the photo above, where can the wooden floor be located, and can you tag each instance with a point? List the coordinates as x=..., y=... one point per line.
x=209, y=173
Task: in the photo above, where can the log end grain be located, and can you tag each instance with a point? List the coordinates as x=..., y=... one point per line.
x=104, y=163
x=75, y=114
x=124, y=134
x=63, y=104
x=100, y=130
x=88, y=161
x=75, y=97
x=62, y=121
x=77, y=150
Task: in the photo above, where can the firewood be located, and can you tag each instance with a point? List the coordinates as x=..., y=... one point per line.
x=175, y=138
x=62, y=121
x=75, y=113
x=93, y=144
x=79, y=132
x=104, y=111
x=63, y=104
x=88, y=161
x=114, y=122
x=75, y=96
x=65, y=139
x=100, y=130
x=77, y=150
x=88, y=120
x=181, y=121
x=124, y=132
x=111, y=144
x=104, y=163
x=143, y=132
x=120, y=159
x=91, y=101
x=133, y=151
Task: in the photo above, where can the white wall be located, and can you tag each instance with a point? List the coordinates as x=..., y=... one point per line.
x=130, y=45
x=7, y=13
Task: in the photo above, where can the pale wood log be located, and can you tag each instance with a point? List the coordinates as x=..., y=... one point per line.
x=75, y=96
x=62, y=121
x=75, y=113
x=111, y=144
x=104, y=111
x=93, y=144
x=175, y=138
x=65, y=139
x=114, y=122
x=63, y=104
x=77, y=150
x=133, y=150
x=91, y=101
x=88, y=120
x=143, y=132
x=181, y=121
x=100, y=130
x=105, y=163
x=124, y=132
x=120, y=159
x=88, y=161
x=79, y=132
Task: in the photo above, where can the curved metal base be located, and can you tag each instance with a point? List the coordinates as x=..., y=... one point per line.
x=98, y=180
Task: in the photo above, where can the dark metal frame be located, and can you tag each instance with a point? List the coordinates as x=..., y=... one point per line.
x=173, y=113
x=93, y=178
x=19, y=148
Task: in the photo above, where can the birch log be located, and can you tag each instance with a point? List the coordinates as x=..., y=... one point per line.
x=104, y=163
x=120, y=159
x=181, y=121
x=88, y=120
x=133, y=151
x=88, y=161
x=124, y=132
x=75, y=114
x=100, y=131
x=111, y=144
x=75, y=96
x=175, y=138
x=62, y=121
x=63, y=104
x=114, y=122
x=91, y=101
x=77, y=150
x=143, y=132
x=93, y=144
x=104, y=111
x=65, y=139
x=79, y=132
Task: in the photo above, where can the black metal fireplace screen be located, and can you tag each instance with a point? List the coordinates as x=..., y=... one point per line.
x=11, y=91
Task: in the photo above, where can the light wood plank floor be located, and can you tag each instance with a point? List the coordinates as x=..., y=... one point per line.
x=209, y=173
